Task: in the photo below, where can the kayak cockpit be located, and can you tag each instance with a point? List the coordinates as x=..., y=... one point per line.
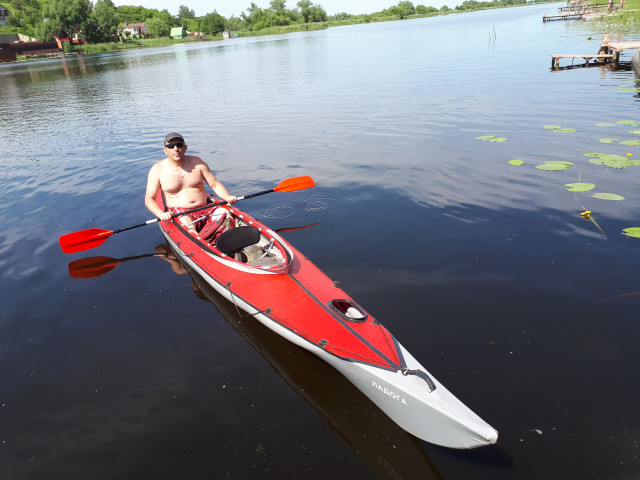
x=241, y=242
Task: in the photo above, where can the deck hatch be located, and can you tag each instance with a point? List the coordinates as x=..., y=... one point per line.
x=348, y=310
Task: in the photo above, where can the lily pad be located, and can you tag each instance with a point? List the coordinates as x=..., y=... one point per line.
x=630, y=142
x=516, y=162
x=635, y=132
x=626, y=122
x=605, y=124
x=498, y=140
x=632, y=232
x=612, y=161
x=607, y=196
x=559, y=162
x=593, y=154
x=554, y=165
x=611, y=157
x=565, y=130
x=551, y=127
x=580, y=187
x=486, y=137
x=608, y=140
x=616, y=163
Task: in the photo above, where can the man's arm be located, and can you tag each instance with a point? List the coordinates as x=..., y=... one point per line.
x=215, y=184
x=153, y=187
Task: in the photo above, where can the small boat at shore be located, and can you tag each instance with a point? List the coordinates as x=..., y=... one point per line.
x=261, y=274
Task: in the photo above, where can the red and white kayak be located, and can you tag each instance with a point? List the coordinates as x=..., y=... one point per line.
x=257, y=270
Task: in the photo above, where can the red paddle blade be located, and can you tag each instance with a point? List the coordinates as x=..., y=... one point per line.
x=83, y=240
x=294, y=184
x=92, y=267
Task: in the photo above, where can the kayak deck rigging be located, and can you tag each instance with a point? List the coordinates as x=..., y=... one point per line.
x=354, y=336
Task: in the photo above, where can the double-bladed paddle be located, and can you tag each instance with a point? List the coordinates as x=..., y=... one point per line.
x=93, y=237
x=92, y=267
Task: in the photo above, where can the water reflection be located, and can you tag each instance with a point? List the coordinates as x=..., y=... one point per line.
x=387, y=450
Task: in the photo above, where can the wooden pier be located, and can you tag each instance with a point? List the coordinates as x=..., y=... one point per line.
x=609, y=53
x=579, y=10
x=563, y=16
x=600, y=58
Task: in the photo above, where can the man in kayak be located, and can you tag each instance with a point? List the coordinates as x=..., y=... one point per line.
x=181, y=177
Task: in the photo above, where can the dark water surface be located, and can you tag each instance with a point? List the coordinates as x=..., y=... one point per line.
x=486, y=272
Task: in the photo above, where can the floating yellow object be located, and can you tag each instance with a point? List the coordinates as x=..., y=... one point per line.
x=586, y=214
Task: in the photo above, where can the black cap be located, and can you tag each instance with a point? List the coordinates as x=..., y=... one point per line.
x=171, y=136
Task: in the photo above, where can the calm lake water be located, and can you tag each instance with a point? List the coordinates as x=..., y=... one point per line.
x=485, y=271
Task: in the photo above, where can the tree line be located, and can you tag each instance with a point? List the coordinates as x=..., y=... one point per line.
x=102, y=22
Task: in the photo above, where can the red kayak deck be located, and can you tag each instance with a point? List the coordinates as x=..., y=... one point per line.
x=301, y=298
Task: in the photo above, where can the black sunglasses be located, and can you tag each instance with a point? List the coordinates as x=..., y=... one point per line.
x=170, y=146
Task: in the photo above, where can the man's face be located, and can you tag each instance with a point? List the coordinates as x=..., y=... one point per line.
x=175, y=149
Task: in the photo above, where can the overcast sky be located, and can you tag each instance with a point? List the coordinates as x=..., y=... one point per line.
x=226, y=8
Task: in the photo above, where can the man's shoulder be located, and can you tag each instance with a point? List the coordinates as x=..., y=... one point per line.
x=194, y=158
x=160, y=163
x=195, y=161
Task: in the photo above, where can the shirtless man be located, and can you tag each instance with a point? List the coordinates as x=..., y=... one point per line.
x=181, y=177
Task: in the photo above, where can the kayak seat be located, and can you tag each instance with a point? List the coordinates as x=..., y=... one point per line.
x=237, y=238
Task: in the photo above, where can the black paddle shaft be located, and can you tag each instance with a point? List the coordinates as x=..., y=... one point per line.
x=197, y=209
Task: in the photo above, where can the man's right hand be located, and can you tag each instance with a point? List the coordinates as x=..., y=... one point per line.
x=164, y=216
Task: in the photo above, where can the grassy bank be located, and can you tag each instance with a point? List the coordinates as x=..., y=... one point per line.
x=625, y=20
x=97, y=48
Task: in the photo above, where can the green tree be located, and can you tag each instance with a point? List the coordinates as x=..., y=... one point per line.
x=102, y=23
x=157, y=27
x=235, y=23
x=46, y=29
x=14, y=20
x=69, y=15
x=130, y=14
x=311, y=13
x=256, y=16
x=278, y=6
x=212, y=23
x=184, y=13
x=190, y=24
x=407, y=8
x=166, y=17
x=421, y=9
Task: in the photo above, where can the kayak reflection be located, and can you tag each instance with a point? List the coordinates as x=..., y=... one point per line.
x=388, y=450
